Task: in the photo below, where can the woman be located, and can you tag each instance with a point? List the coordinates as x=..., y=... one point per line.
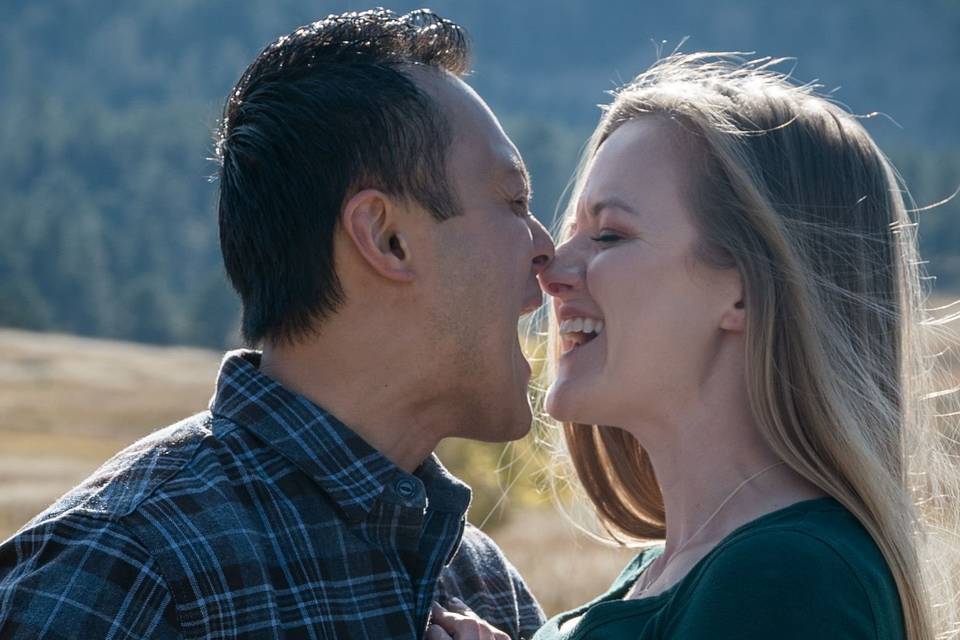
x=737, y=292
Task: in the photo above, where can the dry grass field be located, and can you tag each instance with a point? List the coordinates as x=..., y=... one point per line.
x=67, y=404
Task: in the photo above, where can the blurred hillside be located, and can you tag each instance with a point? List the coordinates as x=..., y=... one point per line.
x=107, y=221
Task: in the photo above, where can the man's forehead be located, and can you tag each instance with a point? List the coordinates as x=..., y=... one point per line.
x=476, y=129
x=510, y=168
x=450, y=92
x=460, y=104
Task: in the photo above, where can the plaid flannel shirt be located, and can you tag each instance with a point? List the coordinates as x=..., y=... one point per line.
x=262, y=518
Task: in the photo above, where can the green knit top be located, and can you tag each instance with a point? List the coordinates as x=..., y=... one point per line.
x=809, y=570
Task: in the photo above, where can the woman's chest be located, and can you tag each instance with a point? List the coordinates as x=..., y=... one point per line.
x=608, y=624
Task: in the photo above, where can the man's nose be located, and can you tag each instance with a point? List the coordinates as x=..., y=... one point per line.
x=543, y=249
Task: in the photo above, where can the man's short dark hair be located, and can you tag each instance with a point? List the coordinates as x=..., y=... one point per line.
x=322, y=113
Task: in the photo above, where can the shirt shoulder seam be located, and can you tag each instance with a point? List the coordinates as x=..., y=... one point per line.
x=174, y=471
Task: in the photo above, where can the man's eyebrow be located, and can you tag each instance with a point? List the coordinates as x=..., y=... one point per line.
x=516, y=168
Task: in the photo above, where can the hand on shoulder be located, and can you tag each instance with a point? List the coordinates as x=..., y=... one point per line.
x=460, y=623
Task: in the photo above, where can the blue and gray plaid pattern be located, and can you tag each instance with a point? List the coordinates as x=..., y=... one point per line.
x=262, y=518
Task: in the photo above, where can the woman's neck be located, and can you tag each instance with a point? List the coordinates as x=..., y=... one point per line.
x=699, y=463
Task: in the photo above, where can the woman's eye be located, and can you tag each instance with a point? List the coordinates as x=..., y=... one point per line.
x=606, y=237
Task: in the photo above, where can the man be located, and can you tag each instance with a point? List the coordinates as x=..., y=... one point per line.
x=374, y=220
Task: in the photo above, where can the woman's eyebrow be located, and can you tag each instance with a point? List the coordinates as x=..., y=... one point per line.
x=611, y=203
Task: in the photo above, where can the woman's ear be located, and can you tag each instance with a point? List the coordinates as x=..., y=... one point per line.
x=370, y=220
x=734, y=317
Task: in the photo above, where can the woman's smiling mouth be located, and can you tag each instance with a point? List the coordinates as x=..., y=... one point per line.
x=575, y=332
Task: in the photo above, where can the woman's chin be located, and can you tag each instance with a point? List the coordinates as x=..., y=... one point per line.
x=561, y=402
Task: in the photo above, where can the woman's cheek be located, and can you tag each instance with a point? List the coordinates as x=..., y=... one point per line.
x=597, y=271
x=609, y=272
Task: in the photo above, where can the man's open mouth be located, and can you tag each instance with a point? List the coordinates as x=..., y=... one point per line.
x=576, y=332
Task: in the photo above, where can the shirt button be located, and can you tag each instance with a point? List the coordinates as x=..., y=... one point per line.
x=406, y=488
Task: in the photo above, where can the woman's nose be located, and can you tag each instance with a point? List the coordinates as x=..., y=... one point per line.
x=563, y=273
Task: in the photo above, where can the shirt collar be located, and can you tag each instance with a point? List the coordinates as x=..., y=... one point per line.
x=346, y=467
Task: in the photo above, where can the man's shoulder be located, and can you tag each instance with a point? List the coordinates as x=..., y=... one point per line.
x=77, y=566
x=131, y=476
x=82, y=573
x=89, y=560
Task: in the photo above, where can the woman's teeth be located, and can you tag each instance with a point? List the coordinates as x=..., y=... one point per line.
x=581, y=325
x=577, y=331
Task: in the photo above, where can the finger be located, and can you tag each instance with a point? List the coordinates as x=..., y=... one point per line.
x=440, y=612
x=437, y=611
x=435, y=632
x=459, y=626
x=459, y=606
x=485, y=631
x=446, y=620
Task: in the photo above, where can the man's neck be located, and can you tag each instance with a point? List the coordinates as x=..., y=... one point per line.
x=383, y=406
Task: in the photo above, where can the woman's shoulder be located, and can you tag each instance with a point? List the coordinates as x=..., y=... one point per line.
x=810, y=567
x=805, y=538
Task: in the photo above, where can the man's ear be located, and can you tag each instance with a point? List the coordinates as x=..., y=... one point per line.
x=734, y=317
x=370, y=220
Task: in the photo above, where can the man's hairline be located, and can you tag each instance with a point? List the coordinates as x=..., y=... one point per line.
x=513, y=164
x=423, y=76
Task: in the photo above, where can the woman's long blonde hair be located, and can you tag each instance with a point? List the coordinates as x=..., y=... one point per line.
x=788, y=188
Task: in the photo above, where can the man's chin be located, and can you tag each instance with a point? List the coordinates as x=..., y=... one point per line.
x=507, y=427
x=522, y=423
x=520, y=432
